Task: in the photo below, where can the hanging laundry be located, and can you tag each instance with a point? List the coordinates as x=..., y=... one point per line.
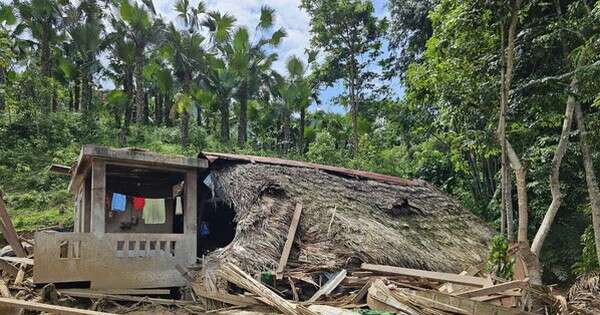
x=204, y=230
x=178, y=206
x=119, y=202
x=138, y=203
x=154, y=211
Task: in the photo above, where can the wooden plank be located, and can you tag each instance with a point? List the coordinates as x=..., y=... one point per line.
x=60, y=169
x=125, y=291
x=53, y=309
x=517, y=284
x=432, y=275
x=82, y=293
x=8, y=230
x=238, y=277
x=362, y=292
x=468, y=305
x=233, y=299
x=289, y=242
x=8, y=268
x=329, y=286
x=18, y=260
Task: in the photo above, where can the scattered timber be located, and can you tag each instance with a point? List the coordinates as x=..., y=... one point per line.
x=289, y=242
x=439, y=276
x=49, y=308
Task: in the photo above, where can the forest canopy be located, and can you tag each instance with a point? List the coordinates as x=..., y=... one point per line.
x=498, y=105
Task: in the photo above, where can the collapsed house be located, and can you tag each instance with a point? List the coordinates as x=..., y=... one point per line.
x=238, y=209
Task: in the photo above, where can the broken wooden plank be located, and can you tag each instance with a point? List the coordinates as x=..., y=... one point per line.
x=380, y=298
x=8, y=268
x=8, y=230
x=362, y=292
x=126, y=291
x=329, y=286
x=471, y=307
x=83, y=293
x=432, y=275
x=4, y=291
x=293, y=289
x=517, y=284
x=60, y=169
x=289, y=242
x=49, y=308
x=232, y=299
x=235, y=275
x=18, y=260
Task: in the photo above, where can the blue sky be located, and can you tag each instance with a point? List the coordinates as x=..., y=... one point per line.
x=289, y=16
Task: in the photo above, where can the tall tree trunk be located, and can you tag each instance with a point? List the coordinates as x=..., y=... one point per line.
x=224, y=108
x=185, y=116
x=77, y=94
x=286, y=132
x=559, y=153
x=71, y=100
x=354, y=110
x=139, y=84
x=146, y=108
x=302, y=126
x=158, y=108
x=507, y=222
x=242, y=116
x=45, y=52
x=590, y=176
x=86, y=90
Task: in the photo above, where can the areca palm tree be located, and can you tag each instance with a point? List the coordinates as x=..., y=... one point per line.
x=41, y=18
x=186, y=53
x=85, y=34
x=143, y=29
x=251, y=64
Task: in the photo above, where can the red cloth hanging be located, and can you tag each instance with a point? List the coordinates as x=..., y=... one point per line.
x=138, y=203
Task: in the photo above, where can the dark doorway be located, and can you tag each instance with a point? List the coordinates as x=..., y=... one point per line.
x=216, y=228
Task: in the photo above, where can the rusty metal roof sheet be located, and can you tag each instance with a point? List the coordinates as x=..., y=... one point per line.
x=213, y=157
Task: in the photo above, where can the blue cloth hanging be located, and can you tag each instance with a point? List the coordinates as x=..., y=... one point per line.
x=119, y=202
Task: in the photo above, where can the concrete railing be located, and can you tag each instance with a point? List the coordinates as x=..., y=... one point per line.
x=112, y=260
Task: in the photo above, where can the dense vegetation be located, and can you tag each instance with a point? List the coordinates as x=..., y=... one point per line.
x=489, y=86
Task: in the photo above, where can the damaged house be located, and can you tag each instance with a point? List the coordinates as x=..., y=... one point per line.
x=234, y=208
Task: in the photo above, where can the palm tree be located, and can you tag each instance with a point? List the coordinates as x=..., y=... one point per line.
x=143, y=29
x=87, y=43
x=221, y=81
x=251, y=64
x=41, y=18
x=186, y=54
x=292, y=94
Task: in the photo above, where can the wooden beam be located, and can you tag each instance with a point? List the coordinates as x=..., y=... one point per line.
x=82, y=293
x=233, y=299
x=289, y=242
x=53, y=309
x=432, y=275
x=8, y=268
x=469, y=306
x=235, y=275
x=517, y=284
x=18, y=260
x=329, y=286
x=60, y=169
x=8, y=230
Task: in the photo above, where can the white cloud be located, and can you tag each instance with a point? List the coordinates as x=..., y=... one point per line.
x=247, y=12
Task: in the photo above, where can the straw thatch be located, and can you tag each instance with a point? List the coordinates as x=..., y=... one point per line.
x=343, y=221
x=585, y=293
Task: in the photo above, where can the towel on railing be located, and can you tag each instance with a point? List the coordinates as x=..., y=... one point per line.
x=154, y=211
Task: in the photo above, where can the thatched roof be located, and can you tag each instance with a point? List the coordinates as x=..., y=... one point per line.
x=585, y=293
x=346, y=218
